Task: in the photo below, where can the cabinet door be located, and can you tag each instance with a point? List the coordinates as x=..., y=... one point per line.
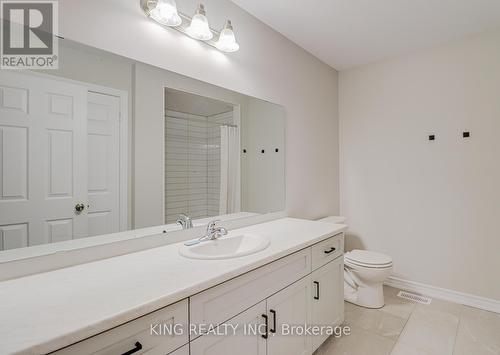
x=242, y=335
x=327, y=297
x=290, y=307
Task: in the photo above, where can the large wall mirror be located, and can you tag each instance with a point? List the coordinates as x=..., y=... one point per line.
x=105, y=144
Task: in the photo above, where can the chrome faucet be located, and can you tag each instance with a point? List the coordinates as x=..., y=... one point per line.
x=214, y=232
x=185, y=221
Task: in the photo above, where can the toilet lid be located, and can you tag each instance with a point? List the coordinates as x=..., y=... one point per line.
x=368, y=258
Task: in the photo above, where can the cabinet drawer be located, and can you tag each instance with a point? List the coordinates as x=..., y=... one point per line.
x=327, y=250
x=222, y=302
x=137, y=334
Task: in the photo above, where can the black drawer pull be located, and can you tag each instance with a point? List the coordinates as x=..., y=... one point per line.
x=332, y=249
x=317, y=290
x=138, y=347
x=265, y=335
x=273, y=312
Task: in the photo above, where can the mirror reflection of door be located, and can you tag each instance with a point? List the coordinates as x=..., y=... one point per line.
x=59, y=166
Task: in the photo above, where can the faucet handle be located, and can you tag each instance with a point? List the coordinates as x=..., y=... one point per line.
x=211, y=225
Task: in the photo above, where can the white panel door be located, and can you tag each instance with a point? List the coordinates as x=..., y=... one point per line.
x=247, y=338
x=43, y=148
x=327, y=297
x=103, y=163
x=290, y=306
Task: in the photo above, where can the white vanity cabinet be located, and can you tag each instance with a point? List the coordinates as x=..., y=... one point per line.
x=305, y=288
x=261, y=312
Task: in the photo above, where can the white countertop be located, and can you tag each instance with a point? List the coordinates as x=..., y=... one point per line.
x=10, y=255
x=45, y=312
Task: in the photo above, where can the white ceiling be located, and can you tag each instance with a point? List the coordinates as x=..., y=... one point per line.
x=347, y=33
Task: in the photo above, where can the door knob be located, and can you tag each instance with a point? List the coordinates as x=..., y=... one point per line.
x=79, y=207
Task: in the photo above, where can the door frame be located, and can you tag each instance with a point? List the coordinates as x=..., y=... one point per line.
x=123, y=146
x=122, y=95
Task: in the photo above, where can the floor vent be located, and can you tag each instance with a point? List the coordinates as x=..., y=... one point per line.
x=415, y=298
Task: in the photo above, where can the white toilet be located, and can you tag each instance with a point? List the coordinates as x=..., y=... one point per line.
x=364, y=274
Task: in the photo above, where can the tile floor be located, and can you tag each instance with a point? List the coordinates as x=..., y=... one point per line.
x=403, y=327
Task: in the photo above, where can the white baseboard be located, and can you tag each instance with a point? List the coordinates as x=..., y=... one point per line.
x=445, y=294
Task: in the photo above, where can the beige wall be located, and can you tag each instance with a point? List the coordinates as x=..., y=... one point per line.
x=268, y=66
x=433, y=206
x=262, y=174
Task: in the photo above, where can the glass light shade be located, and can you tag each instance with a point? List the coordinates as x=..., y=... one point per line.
x=227, y=41
x=165, y=12
x=199, y=29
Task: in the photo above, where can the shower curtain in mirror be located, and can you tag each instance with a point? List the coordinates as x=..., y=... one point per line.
x=230, y=199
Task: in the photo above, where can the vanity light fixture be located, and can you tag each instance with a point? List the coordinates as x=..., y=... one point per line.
x=227, y=41
x=199, y=29
x=165, y=13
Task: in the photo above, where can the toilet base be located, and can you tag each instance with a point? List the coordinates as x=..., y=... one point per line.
x=368, y=295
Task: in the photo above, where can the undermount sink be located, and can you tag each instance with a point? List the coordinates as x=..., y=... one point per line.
x=229, y=246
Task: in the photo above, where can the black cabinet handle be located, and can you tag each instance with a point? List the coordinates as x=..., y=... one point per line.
x=138, y=346
x=265, y=335
x=317, y=290
x=332, y=249
x=273, y=312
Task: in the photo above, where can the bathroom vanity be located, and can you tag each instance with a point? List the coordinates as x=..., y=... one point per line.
x=296, y=280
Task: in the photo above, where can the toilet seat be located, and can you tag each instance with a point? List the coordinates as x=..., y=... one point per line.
x=367, y=259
